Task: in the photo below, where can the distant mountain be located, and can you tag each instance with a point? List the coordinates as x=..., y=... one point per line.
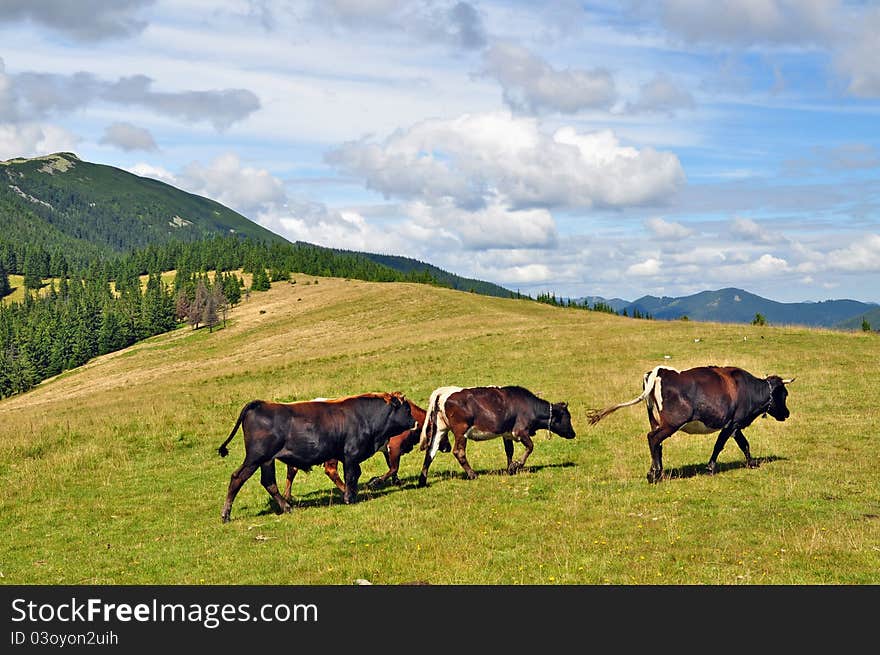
x=407, y=265
x=737, y=306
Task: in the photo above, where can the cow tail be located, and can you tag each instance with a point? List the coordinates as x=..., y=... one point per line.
x=596, y=415
x=429, y=429
x=223, y=450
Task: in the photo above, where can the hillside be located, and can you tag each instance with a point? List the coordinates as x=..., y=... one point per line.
x=61, y=200
x=63, y=204
x=855, y=323
x=115, y=463
x=737, y=306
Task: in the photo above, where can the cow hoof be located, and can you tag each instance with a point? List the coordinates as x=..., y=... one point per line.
x=423, y=481
x=374, y=482
x=710, y=469
x=653, y=478
x=753, y=463
x=514, y=468
x=471, y=475
x=225, y=518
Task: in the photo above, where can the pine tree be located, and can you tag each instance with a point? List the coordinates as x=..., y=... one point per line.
x=209, y=313
x=32, y=277
x=260, y=280
x=5, y=288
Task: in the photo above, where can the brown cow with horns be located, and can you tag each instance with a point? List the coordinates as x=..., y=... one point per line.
x=704, y=400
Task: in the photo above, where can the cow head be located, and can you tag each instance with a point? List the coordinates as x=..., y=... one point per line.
x=401, y=414
x=778, y=394
x=560, y=421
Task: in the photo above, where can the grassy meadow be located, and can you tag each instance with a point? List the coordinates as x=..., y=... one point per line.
x=110, y=473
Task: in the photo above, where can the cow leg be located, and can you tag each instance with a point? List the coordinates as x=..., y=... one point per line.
x=459, y=451
x=267, y=478
x=723, y=436
x=239, y=477
x=521, y=462
x=331, y=469
x=508, y=450
x=352, y=472
x=393, y=462
x=430, y=454
x=291, y=474
x=655, y=439
x=744, y=447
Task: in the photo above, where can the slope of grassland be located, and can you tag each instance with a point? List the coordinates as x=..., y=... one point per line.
x=110, y=472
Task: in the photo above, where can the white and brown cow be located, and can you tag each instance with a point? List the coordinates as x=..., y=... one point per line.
x=704, y=400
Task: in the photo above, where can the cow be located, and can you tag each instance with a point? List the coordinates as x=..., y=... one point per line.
x=398, y=445
x=303, y=434
x=481, y=413
x=704, y=400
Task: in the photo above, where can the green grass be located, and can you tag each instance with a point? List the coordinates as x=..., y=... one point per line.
x=111, y=474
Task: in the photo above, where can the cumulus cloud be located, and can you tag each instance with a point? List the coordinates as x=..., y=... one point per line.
x=494, y=227
x=748, y=230
x=649, y=267
x=661, y=95
x=481, y=159
x=30, y=96
x=128, y=137
x=531, y=85
x=246, y=189
x=457, y=24
x=668, y=230
x=155, y=172
x=34, y=139
x=747, y=22
x=83, y=20
x=861, y=256
x=858, y=57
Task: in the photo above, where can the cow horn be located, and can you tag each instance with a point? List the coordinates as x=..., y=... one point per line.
x=788, y=381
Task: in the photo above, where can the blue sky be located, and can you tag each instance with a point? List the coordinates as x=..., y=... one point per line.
x=596, y=148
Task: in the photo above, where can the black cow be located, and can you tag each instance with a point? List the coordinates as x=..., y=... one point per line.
x=704, y=400
x=482, y=413
x=312, y=432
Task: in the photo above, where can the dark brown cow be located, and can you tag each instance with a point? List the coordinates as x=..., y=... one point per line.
x=704, y=400
x=398, y=445
x=482, y=413
x=312, y=432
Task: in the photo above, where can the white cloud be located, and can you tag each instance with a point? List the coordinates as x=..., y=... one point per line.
x=858, y=57
x=128, y=137
x=493, y=227
x=531, y=85
x=746, y=228
x=155, y=172
x=748, y=22
x=862, y=255
x=246, y=189
x=475, y=159
x=646, y=268
x=34, y=139
x=668, y=230
x=83, y=20
x=662, y=94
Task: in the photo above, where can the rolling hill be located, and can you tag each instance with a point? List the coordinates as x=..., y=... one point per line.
x=115, y=465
